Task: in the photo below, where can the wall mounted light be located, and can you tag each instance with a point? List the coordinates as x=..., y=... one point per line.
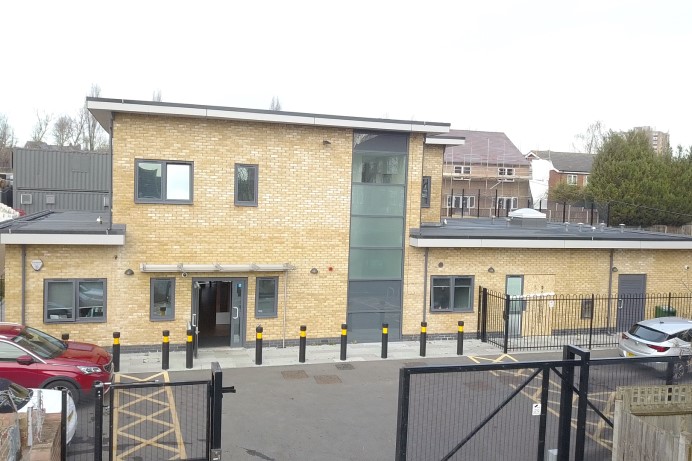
x=440, y=264
x=326, y=142
x=129, y=272
x=491, y=269
x=613, y=269
x=314, y=270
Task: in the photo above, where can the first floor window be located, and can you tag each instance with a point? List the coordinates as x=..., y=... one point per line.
x=572, y=179
x=452, y=294
x=246, y=185
x=162, y=299
x=460, y=169
x=505, y=171
x=159, y=181
x=75, y=300
x=267, y=297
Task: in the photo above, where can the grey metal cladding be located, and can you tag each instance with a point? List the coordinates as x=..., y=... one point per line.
x=63, y=201
x=59, y=170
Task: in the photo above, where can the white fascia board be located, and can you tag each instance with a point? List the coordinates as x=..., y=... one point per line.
x=438, y=140
x=62, y=239
x=550, y=244
x=278, y=117
x=258, y=117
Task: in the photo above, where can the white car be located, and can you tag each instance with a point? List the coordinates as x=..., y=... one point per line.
x=14, y=397
x=659, y=337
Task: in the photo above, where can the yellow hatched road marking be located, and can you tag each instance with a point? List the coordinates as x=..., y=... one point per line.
x=157, y=397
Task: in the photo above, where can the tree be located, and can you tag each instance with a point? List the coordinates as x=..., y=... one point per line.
x=276, y=104
x=7, y=138
x=156, y=96
x=568, y=193
x=642, y=188
x=93, y=135
x=590, y=141
x=41, y=126
x=63, y=130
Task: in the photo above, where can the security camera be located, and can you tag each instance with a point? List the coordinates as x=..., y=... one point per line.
x=184, y=274
x=686, y=267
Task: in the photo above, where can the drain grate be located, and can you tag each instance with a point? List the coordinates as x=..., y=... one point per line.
x=327, y=379
x=297, y=374
x=344, y=366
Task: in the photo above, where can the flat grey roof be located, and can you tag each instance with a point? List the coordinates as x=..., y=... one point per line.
x=66, y=227
x=499, y=233
x=104, y=108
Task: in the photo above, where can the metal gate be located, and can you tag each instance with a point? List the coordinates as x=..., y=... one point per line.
x=518, y=410
x=152, y=419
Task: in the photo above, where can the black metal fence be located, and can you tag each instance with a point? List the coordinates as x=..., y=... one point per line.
x=516, y=323
x=558, y=409
x=150, y=420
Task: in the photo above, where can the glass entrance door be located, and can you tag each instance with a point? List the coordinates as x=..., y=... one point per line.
x=219, y=312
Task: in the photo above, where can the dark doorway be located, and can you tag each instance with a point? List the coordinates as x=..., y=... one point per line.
x=218, y=312
x=631, y=300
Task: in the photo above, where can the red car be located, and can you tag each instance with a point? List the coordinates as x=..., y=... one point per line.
x=35, y=359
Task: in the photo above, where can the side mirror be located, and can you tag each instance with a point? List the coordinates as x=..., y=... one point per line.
x=25, y=360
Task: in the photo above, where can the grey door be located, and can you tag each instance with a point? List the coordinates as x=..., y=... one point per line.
x=515, y=289
x=631, y=300
x=218, y=312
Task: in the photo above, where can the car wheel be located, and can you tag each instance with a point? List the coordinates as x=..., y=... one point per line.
x=679, y=370
x=68, y=386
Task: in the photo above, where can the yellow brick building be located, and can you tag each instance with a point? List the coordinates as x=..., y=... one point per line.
x=224, y=219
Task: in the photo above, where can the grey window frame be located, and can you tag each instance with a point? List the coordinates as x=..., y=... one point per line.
x=75, y=288
x=276, y=297
x=451, y=278
x=168, y=317
x=164, y=181
x=237, y=202
x=426, y=184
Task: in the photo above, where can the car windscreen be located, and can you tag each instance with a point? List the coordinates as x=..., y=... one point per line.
x=40, y=343
x=648, y=334
x=13, y=396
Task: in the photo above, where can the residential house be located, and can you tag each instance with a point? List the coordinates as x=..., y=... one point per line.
x=224, y=219
x=486, y=176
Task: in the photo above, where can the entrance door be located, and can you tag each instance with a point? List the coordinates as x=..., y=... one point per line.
x=631, y=300
x=515, y=289
x=218, y=311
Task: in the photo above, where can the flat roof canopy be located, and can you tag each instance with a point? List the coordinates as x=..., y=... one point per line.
x=103, y=110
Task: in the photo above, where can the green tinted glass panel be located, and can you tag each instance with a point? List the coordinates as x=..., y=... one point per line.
x=462, y=293
x=59, y=300
x=377, y=200
x=379, y=168
x=91, y=299
x=377, y=232
x=149, y=180
x=375, y=264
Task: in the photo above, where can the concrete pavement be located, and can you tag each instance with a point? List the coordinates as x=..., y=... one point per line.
x=315, y=354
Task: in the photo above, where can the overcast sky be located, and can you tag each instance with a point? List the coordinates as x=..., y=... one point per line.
x=540, y=71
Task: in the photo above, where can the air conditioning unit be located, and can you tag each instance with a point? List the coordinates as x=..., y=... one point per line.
x=25, y=199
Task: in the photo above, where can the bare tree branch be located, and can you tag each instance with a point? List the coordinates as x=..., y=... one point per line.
x=41, y=126
x=276, y=104
x=7, y=138
x=93, y=133
x=62, y=130
x=156, y=96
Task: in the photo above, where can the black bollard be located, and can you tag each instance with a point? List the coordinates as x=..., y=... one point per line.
x=65, y=336
x=188, y=350
x=385, y=339
x=165, y=350
x=258, y=345
x=116, y=351
x=344, y=333
x=460, y=338
x=423, y=337
x=303, y=339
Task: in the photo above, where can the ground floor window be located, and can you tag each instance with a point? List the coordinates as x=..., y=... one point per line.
x=74, y=300
x=162, y=299
x=266, y=297
x=452, y=294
